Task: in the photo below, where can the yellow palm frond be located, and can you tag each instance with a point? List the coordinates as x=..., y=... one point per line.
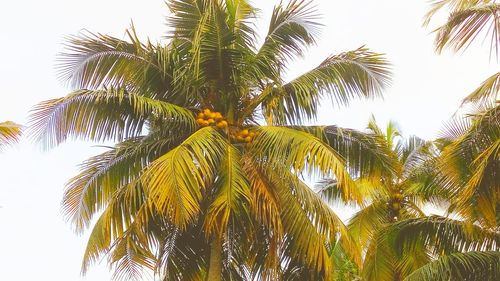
x=175, y=180
x=9, y=133
x=232, y=193
x=302, y=152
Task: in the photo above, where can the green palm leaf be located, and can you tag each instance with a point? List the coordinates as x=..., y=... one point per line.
x=460, y=266
x=292, y=28
x=444, y=235
x=341, y=78
x=113, y=114
x=95, y=60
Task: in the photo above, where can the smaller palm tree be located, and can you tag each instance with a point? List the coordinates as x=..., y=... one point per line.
x=9, y=133
x=465, y=248
x=396, y=192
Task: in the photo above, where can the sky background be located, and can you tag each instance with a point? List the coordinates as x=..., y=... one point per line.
x=35, y=241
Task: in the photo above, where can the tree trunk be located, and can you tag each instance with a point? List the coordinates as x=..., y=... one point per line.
x=215, y=266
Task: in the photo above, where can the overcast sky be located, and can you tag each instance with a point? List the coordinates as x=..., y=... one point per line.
x=35, y=241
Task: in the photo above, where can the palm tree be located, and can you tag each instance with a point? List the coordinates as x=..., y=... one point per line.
x=392, y=193
x=465, y=248
x=204, y=182
x=9, y=133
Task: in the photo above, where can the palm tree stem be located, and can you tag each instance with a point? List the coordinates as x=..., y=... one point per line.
x=215, y=266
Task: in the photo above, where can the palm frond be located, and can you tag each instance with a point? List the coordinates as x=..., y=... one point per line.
x=9, y=133
x=469, y=166
x=232, y=193
x=468, y=266
x=264, y=201
x=463, y=27
x=487, y=92
x=453, y=5
x=340, y=78
x=302, y=152
x=444, y=235
x=365, y=153
x=91, y=61
x=364, y=224
x=126, y=208
x=292, y=28
x=113, y=114
x=380, y=262
x=310, y=224
x=130, y=257
x=102, y=175
x=175, y=180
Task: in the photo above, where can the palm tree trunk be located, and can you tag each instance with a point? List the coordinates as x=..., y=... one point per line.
x=215, y=266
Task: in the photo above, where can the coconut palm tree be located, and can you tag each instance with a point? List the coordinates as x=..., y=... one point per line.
x=391, y=193
x=205, y=180
x=465, y=248
x=9, y=133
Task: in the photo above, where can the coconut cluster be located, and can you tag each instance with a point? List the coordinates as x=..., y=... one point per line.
x=211, y=118
x=243, y=135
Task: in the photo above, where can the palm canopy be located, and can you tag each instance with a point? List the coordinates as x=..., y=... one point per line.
x=465, y=248
x=393, y=192
x=196, y=188
x=9, y=133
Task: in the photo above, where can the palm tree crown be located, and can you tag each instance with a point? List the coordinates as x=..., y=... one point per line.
x=197, y=187
x=391, y=193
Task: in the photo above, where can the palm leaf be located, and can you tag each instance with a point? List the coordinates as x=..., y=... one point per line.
x=95, y=60
x=292, y=28
x=460, y=266
x=124, y=210
x=453, y=5
x=444, y=235
x=341, y=78
x=465, y=25
x=232, y=193
x=113, y=114
x=103, y=175
x=130, y=257
x=302, y=152
x=469, y=166
x=175, y=180
x=487, y=92
x=9, y=133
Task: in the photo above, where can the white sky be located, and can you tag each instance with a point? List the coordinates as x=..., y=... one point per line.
x=37, y=244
